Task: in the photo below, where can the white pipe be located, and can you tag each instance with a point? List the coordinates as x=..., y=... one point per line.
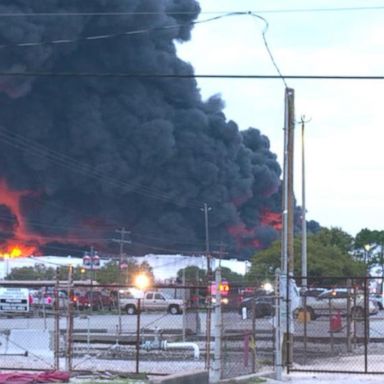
x=196, y=350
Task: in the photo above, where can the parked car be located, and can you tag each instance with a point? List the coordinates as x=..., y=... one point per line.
x=229, y=302
x=378, y=299
x=152, y=301
x=40, y=299
x=260, y=305
x=310, y=295
x=93, y=299
x=333, y=300
x=46, y=299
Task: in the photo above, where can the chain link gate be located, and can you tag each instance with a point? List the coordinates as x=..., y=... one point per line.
x=141, y=341
x=342, y=329
x=29, y=327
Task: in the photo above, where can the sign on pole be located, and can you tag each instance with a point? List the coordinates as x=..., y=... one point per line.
x=14, y=300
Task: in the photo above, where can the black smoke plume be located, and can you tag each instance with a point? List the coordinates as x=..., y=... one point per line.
x=101, y=153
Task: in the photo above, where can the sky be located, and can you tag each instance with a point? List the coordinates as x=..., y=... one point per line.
x=344, y=156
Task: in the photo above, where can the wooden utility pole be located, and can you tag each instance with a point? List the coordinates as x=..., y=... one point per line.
x=122, y=242
x=287, y=257
x=290, y=95
x=205, y=209
x=287, y=249
x=304, y=268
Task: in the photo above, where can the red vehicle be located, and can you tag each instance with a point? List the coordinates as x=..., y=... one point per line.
x=223, y=288
x=93, y=299
x=230, y=296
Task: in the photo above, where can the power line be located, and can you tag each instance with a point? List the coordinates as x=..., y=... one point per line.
x=22, y=143
x=140, y=31
x=189, y=76
x=315, y=10
x=185, y=13
x=152, y=29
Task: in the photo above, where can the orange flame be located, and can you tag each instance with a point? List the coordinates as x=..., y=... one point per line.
x=12, y=252
x=13, y=247
x=272, y=219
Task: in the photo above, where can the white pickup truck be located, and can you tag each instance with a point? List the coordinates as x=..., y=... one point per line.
x=151, y=301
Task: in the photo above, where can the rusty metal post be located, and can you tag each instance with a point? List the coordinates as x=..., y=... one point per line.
x=366, y=322
x=254, y=336
x=208, y=333
x=305, y=328
x=138, y=335
x=69, y=322
x=56, y=332
x=348, y=317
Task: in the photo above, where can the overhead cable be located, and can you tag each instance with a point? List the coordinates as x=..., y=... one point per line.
x=182, y=13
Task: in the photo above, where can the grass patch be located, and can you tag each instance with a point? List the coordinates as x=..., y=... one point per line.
x=136, y=379
x=113, y=381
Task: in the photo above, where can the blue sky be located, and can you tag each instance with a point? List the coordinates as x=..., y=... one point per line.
x=345, y=138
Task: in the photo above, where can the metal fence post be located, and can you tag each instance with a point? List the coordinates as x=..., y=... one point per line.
x=119, y=312
x=305, y=328
x=184, y=314
x=277, y=328
x=348, y=317
x=56, y=336
x=68, y=361
x=366, y=322
x=138, y=335
x=208, y=332
x=254, y=336
x=215, y=372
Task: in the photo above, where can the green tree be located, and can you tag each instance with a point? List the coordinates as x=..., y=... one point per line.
x=193, y=275
x=231, y=277
x=264, y=264
x=42, y=272
x=369, y=246
x=367, y=237
x=333, y=258
x=328, y=255
x=110, y=274
x=197, y=276
x=335, y=237
x=25, y=273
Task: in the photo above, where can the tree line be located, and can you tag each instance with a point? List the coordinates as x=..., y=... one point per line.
x=331, y=252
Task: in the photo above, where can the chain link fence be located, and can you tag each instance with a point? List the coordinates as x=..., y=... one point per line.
x=29, y=327
x=247, y=337
x=95, y=328
x=339, y=327
x=101, y=328
x=65, y=326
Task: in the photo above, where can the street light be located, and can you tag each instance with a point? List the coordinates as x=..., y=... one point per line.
x=206, y=209
x=141, y=281
x=267, y=286
x=367, y=248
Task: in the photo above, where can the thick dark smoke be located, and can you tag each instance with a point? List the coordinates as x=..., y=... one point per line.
x=159, y=151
